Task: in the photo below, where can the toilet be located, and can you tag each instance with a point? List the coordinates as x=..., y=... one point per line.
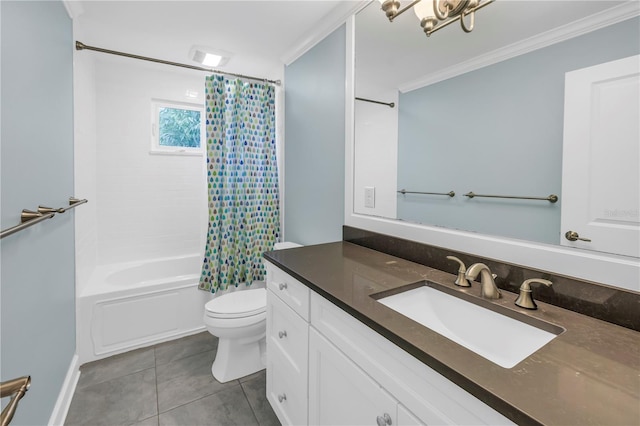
x=239, y=320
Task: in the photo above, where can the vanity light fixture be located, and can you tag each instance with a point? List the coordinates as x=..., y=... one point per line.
x=436, y=14
x=209, y=57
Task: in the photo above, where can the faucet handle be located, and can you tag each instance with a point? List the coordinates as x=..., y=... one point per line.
x=462, y=280
x=525, y=300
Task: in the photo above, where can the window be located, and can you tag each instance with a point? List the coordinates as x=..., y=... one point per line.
x=177, y=128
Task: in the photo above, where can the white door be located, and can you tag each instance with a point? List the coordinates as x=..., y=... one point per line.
x=340, y=393
x=601, y=158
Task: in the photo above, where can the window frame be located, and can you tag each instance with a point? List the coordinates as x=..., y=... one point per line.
x=156, y=148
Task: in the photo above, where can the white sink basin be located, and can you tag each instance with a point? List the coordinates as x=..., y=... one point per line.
x=500, y=339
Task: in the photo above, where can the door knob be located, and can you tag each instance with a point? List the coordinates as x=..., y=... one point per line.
x=573, y=236
x=282, y=334
x=282, y=397
x=384, y=420
x=282, y=286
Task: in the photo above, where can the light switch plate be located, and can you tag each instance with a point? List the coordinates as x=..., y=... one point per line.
x=370, y=196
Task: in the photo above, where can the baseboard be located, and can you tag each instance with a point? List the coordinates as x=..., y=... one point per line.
x=63, y=402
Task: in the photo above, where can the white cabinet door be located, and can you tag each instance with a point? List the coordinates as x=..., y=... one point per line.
x=406, y=418
x=284, y=392
x=601, y=157
x=340, y=393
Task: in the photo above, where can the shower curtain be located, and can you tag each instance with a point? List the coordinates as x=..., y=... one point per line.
x=242, y=179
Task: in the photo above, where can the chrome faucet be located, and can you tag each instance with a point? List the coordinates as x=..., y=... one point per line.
x=489, y=289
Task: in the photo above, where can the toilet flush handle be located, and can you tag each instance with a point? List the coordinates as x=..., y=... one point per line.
x=282, y=286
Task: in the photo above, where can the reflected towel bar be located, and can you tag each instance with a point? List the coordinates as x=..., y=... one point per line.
x=389, y=104
x=29, y=218
x=551, y=198
x=450, y=193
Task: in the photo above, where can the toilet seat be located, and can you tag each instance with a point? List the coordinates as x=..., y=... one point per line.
x=239, y=304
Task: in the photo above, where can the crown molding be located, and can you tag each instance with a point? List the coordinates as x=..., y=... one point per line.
x=334, y=19
x=74, y=8
x=577, y=28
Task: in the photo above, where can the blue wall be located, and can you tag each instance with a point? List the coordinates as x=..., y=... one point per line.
x=314, y=143
x=497, y=130
x=37, y=293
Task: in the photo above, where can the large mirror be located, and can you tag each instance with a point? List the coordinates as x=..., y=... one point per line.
x=477, y=112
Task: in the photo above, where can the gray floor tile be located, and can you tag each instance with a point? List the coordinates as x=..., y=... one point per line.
x=256, y=391
x=252, y=376
x=186, y=346
x=120, y=401
x=116, y=366
x=151, y=421
x=187, y=380
x=227, y=407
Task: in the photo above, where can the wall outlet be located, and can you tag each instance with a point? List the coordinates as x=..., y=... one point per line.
x=370, y=196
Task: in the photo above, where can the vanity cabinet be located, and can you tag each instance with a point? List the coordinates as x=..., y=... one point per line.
x=331, y=369
x=342, y=393
x=287, y=346
x=425, y=396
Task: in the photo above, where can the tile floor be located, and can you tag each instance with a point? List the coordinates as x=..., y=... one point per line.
x=167, y=384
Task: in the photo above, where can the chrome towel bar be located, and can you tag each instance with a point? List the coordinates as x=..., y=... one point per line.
x=551, y=198
x=29, y=218
x=450, y=193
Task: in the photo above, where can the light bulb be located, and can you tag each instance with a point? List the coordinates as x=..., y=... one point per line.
x=424, y=9
x=211, y=60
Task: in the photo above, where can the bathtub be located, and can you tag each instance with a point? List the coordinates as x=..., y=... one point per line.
x=130, y=305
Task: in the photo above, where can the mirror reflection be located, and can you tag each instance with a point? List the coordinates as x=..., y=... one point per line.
x=479, y=112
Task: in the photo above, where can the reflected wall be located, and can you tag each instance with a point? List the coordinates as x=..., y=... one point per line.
x=497, y=130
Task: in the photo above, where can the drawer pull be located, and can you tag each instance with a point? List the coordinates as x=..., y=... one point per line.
x=383, y=420
x=282, y=286
x=282, y=334
x=282, y=397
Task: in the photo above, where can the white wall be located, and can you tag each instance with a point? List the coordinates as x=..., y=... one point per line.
x=84, y=162
x=376, y=150
x=149, y=205
x=141, y=205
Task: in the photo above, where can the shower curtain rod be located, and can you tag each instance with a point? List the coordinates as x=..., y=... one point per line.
x=82, y=46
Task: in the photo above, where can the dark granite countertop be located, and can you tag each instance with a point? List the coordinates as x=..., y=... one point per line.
x=588, y=375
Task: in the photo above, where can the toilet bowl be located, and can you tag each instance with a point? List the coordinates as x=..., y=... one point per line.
x=239, y=320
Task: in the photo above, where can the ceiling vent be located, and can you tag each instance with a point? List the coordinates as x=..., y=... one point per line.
x=209, y=57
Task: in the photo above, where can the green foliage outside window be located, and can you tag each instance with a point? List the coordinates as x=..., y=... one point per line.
x=179, y=127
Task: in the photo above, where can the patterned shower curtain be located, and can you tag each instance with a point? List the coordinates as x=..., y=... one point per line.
x=242, y=177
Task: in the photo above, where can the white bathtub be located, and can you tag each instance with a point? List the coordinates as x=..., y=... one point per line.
x=131, y=305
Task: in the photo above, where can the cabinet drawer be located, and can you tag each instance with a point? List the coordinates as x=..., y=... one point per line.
x=287, y=335
x=286, y=394
x=291, y=291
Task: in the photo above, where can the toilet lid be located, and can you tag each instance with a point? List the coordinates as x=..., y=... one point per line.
x=238, y=304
